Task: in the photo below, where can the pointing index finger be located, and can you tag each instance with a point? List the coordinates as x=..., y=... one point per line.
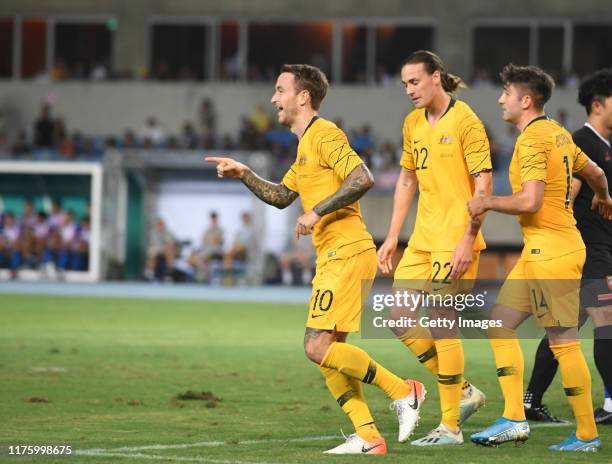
x=215, y=159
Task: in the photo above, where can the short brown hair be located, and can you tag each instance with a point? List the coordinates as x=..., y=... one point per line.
x=309, y=78
x=539, y=84
x=433, y=63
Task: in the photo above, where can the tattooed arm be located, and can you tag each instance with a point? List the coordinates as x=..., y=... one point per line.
x=274, y=194
x=356, y=184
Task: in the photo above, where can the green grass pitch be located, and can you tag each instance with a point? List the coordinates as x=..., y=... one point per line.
x=111, y=370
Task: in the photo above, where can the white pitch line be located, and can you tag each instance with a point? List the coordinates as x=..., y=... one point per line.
x=205, y=444
x=214, y=443
x=157, y=457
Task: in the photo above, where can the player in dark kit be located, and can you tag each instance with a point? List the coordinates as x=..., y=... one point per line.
x=593, y=138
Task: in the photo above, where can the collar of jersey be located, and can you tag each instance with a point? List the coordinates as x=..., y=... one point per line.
x=539, y=118
x=451, y=103
x=607, y=142
x=314, y=118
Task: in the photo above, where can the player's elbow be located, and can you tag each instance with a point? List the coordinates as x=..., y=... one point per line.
x=280, y=205
x=533, y=204
x=597, y=175
x=368, y=182
x=362, y=178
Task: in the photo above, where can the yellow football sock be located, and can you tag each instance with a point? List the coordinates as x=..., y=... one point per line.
x=348, y=393
x=576, y=380
x=356, y=363
x=450, y=379
x=420, y=342
x=510, y=368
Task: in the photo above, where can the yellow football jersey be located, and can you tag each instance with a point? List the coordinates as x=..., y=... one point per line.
x=444, y=157
x=324, y=159
x=545, y=151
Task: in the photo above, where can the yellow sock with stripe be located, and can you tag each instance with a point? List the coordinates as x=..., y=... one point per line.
x=510, y=366
x=348, y=393
x=576, y=380
x=420, y=342
x=356, y=363
x=450, y=379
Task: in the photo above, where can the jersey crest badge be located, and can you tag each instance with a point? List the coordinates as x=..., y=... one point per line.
x=446, y=140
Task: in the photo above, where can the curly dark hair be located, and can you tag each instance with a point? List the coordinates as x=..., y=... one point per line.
x=595, y=87
x=309, y=78
x=539, y=84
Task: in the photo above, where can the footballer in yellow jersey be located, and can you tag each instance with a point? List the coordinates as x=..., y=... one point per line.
x=545, y=152
x=545, y=280
x=446, y=155
x=324, y=160
x=330, y=178
x=444, y=158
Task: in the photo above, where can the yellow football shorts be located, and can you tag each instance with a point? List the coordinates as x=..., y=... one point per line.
x=336, y=300
x=550, y=289
x=429, y=271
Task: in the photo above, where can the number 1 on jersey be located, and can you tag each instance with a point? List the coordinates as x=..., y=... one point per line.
x=568, y=182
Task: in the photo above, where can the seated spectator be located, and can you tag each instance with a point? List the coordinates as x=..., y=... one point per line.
x=28, y=218
x=41, y=236
x=208, y=116
x=78, y=142
x=161, y=254
x=80, y=257
x=172, y=143
x=129, y=139
x=68, y=233
x=27, y=245
x=152, y=131
x=227, y=143
x=247, y=135
x=56, y=217
x=10, y=256
x=66, y=147
x=297, y=262
x=59, y=130
x=362, y=141
x=211, y=250
x=189, y=137
x=235, y=259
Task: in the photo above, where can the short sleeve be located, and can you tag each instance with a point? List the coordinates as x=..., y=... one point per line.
x=533, y=157
x=407, y=160
x=580, y=160
x=289, y=179
x=475, y=144
x=336, y=153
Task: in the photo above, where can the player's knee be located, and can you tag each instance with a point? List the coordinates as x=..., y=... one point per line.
x=500, y=333
x=312, y=353
x=315, y=350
